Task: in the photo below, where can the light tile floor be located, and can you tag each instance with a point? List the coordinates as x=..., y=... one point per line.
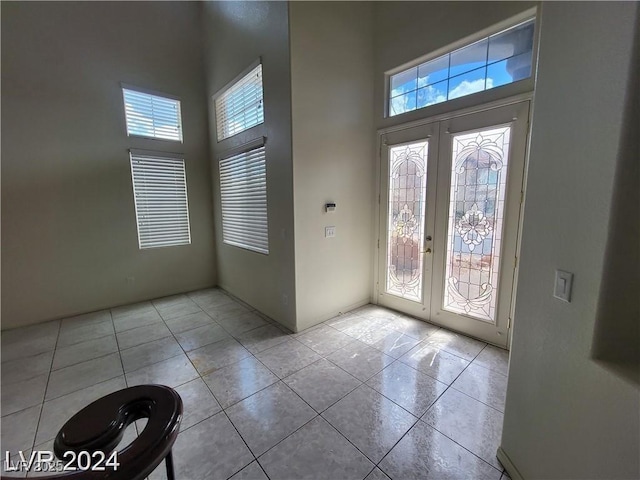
x=369, y=394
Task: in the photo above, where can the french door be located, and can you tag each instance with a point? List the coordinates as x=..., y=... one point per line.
x=450, y=197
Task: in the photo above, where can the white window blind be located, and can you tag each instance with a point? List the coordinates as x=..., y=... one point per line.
x=243, y=187
x=240, y=106
x=152, y=115
x=160, y=194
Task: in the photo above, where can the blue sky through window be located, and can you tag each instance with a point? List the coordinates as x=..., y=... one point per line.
x=494, y=61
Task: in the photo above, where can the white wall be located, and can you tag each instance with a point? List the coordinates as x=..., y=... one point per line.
x=333, y=158
x=567, y=416
x=236, y=34
x=69, y=238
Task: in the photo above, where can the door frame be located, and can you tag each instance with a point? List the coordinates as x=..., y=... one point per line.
x=380, y=148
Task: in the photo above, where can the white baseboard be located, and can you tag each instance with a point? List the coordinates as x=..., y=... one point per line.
x=508, y=465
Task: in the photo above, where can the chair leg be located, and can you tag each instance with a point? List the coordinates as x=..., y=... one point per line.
x=168, y=460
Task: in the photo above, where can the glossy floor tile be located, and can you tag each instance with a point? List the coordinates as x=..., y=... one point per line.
x=83, y=351
x=325, y=340
x=81, y=375
x=412, y=390
x=239, y=380
x=199, y=453
x=124, y=323
x=371, y=394
x=468, y=422
x=485, y=385
x=25, y=368
x=426, y=453
x=269, y=416
x=441, y=365
x=135, y=358
x=20, y=395
x=370, y=421
x=360, y=360
x=82, y=333
x=317, y=451
x=56, y=412
x=253, y=471
x=29, y=341
x=287, y=358
x=322, y=384
x=198, y=402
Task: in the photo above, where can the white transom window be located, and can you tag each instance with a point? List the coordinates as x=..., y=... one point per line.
x=152, y=116
x=240, y=106
x=495, y=60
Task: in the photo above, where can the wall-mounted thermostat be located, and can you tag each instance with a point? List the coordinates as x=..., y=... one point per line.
x=329, y=207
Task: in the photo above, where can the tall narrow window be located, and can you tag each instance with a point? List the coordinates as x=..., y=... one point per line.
x=239, y=107
x=160, y=193
x=152, y=116
x=243, y=191
x=496, y=60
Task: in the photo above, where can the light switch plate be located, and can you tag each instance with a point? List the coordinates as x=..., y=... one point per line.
x=329, y=232
x=562, y=286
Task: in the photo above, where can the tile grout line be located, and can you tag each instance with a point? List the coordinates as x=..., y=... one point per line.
x=44, y=395
x=474, y=398
x=126, y=383
x=461, y=372
x=462, y=446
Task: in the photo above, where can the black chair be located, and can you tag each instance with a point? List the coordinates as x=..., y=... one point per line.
x=99, y=427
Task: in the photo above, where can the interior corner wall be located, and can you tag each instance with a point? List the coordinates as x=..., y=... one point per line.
x=333, y=157
x=566, y=415
x=236, y=34
x=69, y=239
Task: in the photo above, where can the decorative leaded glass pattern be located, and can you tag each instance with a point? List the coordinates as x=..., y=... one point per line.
x=476, y=215
x=405, y=226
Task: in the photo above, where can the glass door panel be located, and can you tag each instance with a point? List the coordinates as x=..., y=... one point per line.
x=407, y=217
x=407, y=199
x=479, y=162
x=481, y=165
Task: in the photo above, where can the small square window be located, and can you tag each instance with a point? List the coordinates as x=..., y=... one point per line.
x=239, y=107
x=152, y=116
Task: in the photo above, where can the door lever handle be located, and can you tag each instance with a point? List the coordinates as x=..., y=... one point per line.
x=428, y=250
